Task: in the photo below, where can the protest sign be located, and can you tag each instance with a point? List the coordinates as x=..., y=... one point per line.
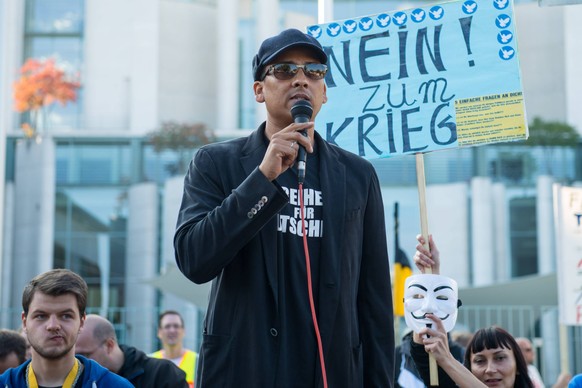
x=420, y=80
x=568, y=222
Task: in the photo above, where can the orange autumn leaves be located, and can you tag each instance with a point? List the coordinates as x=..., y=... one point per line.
x=40, y=85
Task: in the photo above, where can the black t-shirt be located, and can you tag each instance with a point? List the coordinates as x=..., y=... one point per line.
x=298, y=363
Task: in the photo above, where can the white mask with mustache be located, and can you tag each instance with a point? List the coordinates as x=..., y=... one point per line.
x=428, y=293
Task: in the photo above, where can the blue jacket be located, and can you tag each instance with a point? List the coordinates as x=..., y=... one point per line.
x=94, y=376
x=576, y=382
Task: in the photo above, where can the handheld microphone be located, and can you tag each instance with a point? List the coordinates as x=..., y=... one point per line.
x=301, y=112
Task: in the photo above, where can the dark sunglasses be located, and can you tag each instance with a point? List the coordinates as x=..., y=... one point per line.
x=286, y=71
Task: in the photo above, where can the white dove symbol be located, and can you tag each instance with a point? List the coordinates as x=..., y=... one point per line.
x=507, y=53
x=384, y=21
x=437, y=13
x=470, y=7
x=334, y=30
x=506, y=37
x=366, y=25
x=503, y=22
x=315, y=30
x=400, y=19
x=350, y=27
x=419, y=15
x=501, y=3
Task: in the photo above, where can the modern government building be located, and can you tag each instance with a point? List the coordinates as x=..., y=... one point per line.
x=91, y=193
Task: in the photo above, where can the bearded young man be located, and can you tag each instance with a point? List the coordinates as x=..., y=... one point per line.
x=53, y=314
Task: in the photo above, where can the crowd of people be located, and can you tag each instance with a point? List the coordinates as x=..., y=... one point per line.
x=492, y=357
x=242, y=224
x=72, y=349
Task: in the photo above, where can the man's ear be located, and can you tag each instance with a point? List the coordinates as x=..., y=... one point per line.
x=109, y=345
x=324, y=93
x=23, y=318
x=258, y=89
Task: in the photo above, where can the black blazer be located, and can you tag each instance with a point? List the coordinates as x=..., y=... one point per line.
x=219, y=238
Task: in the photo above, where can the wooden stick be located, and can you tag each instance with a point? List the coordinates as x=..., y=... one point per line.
x=564, y=360
x=421, y=183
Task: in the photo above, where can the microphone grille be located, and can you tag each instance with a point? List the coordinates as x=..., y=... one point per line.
x=302, y=108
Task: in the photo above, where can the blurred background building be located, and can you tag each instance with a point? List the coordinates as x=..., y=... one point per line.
x=93, y=195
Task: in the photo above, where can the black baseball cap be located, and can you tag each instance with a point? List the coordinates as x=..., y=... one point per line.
x=271, y=47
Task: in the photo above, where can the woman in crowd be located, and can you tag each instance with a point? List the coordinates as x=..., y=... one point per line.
x=492, y=357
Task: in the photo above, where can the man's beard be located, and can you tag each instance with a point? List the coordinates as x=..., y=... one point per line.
x=51, y=354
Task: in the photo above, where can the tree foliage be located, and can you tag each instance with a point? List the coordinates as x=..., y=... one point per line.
x=551, y=133
x=42, y=84
x=182, y=138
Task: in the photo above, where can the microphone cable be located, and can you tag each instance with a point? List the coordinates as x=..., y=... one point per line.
x=309, y=288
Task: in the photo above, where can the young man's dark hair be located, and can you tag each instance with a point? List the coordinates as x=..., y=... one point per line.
x=56, y=283
x=12, y=349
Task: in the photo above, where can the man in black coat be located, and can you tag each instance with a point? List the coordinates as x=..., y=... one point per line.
x=298, y=262
x=98, y=341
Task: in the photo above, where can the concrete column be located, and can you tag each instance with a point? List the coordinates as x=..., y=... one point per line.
x=447, y=207
x=324, y=11
x=550, y=346
x=172, y=198
x=142, y=263
x=501, y=233
x=144, y=71
x=11, y=26
x=34, y=207
x=545, y=225
x=6, y=310
x=228, y=82
x=482, y=236
x=268, y=23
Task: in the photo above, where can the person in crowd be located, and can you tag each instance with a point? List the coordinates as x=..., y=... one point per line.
x=98, y=341
x=424, y=258
x=53, y=314
x=492, y=359
x=406, y=374
x=171, y=333
x=528, y=353
x=462, y=338
x=576, y=382
x=301, y=294
x=12, y=349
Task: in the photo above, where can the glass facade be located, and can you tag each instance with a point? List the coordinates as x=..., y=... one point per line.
x=54, y=29
x=522, y=229
x=93, y=176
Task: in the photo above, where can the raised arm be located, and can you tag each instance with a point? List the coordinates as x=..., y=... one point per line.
x=424, y=258
x=435, y=342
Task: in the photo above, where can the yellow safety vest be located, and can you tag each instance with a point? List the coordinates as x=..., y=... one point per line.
x=187, y=364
